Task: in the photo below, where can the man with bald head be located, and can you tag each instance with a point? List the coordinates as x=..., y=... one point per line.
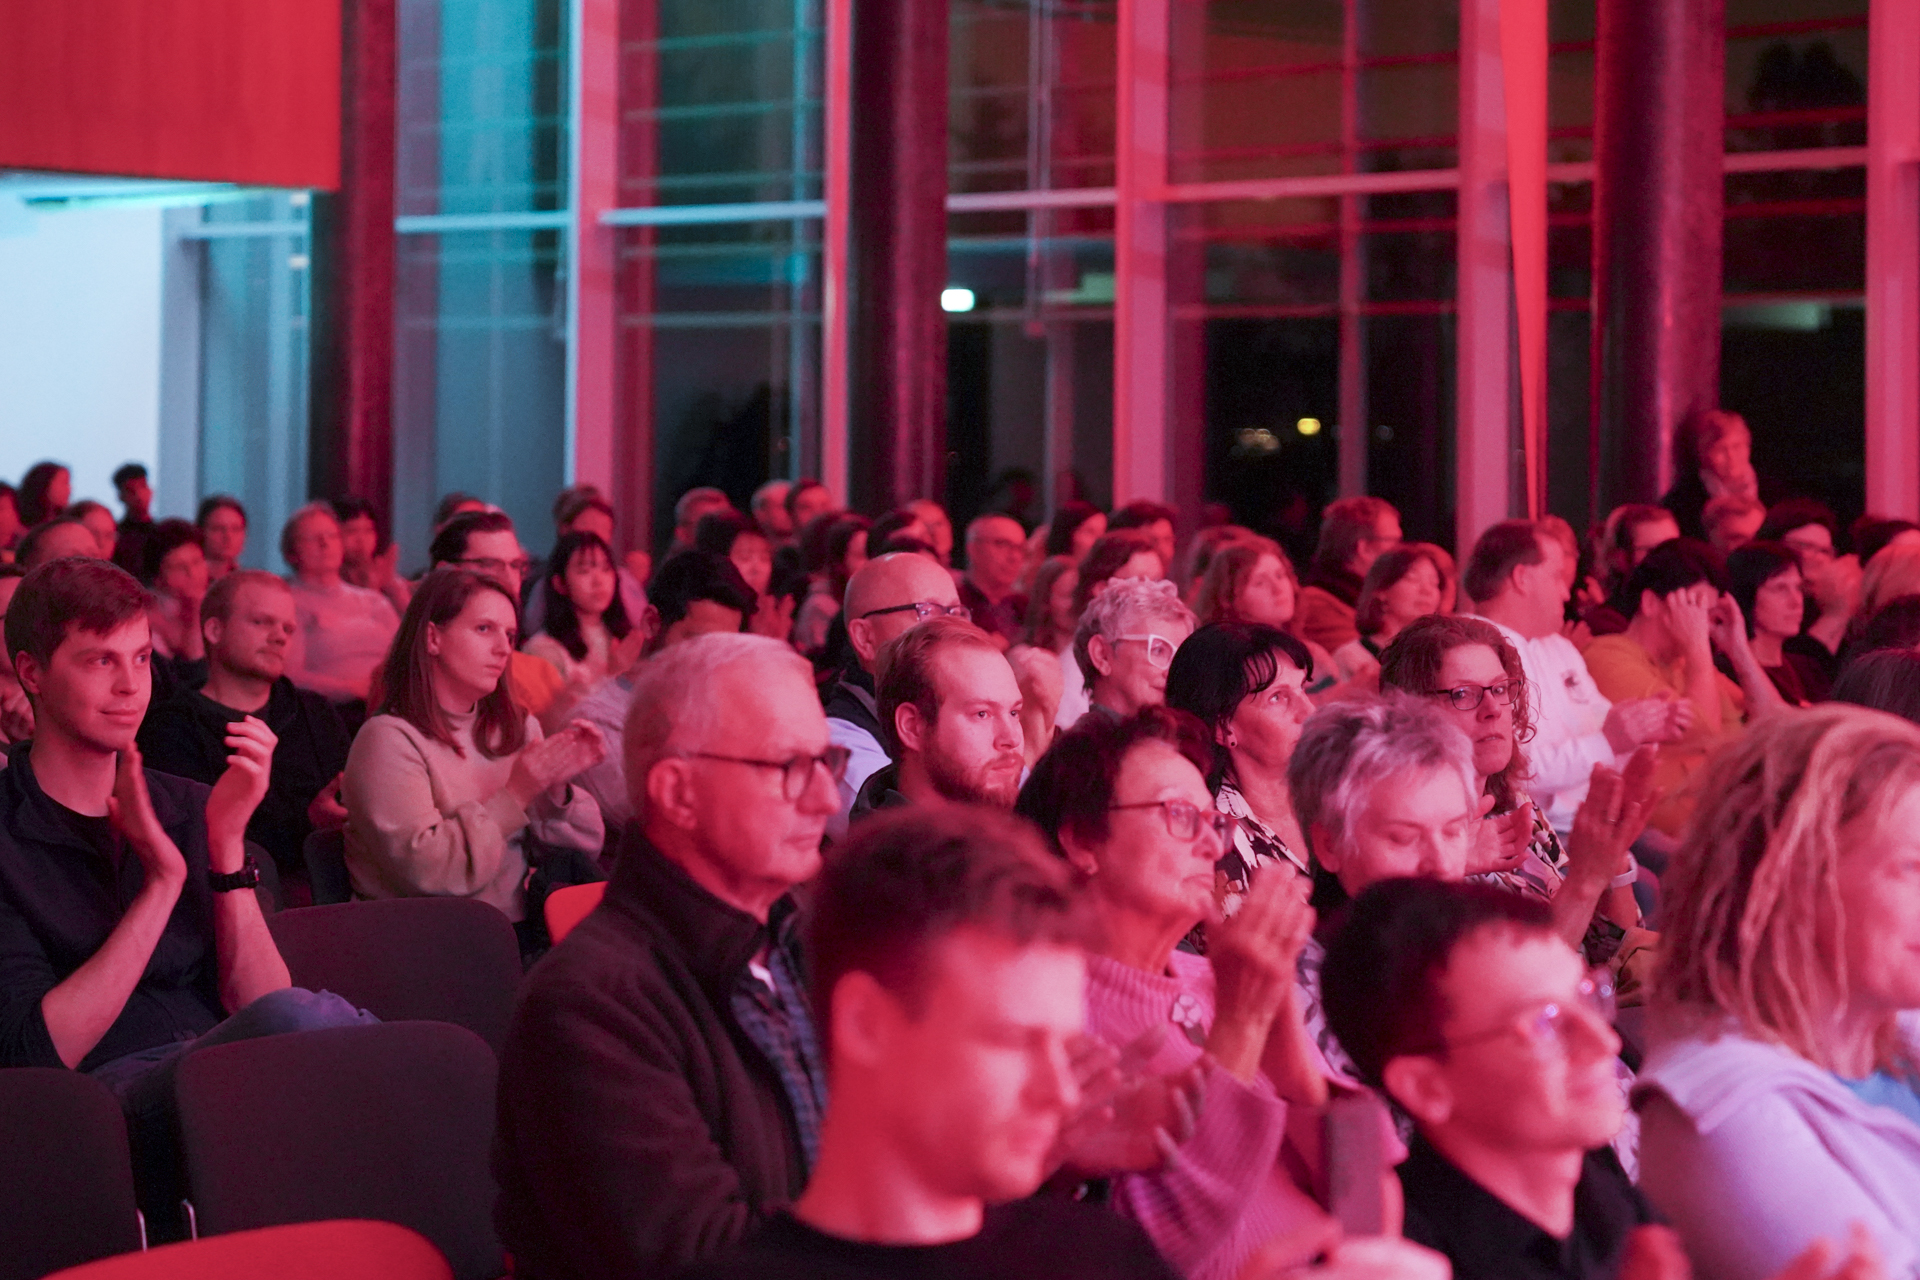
x=662, y=1084
x=889, y=595
x=56, y=540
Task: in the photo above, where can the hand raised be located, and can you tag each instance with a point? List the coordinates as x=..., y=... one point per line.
x=552, y=761
x=1639, y=720
x=1500, y=843
x=1130, y=1120
x=1655, y=1253
x=328, y=808
x=1861, y=1262
x=130, y=809
x=243, y=786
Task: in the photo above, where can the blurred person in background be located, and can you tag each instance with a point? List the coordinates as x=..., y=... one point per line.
x=1155, y=520
x=1732, y=521
x=769, y=509
x=1253, y=581
x=130, y=485
x=1712, y=458
x=174, y=568
x=1833, y=580
x=366, y=558
x=1354, y=532
x=734, y=534
x=344, y=631
x=223, y=533
x=100, y=523
x=44, y=492
x=939, y=527
x=835, y=547
x=996, y=549
x=1404, y=585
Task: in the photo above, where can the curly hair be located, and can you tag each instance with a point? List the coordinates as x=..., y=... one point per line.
x=1412, y=662
x=1217, y=597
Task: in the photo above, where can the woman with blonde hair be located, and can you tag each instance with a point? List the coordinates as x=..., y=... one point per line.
x=1254, y=581
x=1779, y=1102
x=1893, y=572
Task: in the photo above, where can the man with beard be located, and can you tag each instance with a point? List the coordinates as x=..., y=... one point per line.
x=950, y=708
x=247, y=621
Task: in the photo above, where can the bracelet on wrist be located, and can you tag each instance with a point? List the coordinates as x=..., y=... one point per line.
x=1626, y=878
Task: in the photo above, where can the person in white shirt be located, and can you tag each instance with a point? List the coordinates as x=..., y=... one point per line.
x=1517, y=573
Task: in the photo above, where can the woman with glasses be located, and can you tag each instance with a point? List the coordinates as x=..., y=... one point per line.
x=1780, y=1101
x=450, y=788
x=1245, y=683
x=1469, y=671
x=1125, y=801
x=344, y=630
x=1125, y=644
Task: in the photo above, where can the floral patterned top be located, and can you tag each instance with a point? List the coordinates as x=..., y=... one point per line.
x=1255, y=846
x=1541, y=874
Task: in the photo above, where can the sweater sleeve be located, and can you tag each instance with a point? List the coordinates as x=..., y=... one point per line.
x=399, y=843
x=1190, y=1206
x=1756, y=1190
x=575, y=824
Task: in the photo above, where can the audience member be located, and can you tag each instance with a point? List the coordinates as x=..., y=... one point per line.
x=100, y=523
x=1680, y=615
x=950, y=983
x=769, y=509
x=56, y=539
x=1764, y=580
x=1354, y=532
x=16, y=712
x=1712, y=458
x=939, y=527
x=367, y=557
x=44, y=493
x=902, y=523
x=11, y=525
x=884, y=599
x=1833, y=580
x=1518, y=579
x=136, y=525
x=1050, y=617
x=247, y=623
x=1155, y=520
x=1199, y=555
x=1076, y=527
x=344, y=630
x=1631, y=532
x=949, y=711
x=693, y=504
x=807, y=501
x=835, y=548
x=450, y=788
x=583, y=509
x=996, y=551
x=1731, y=521
x=1472, y=672
x=1872, y=534
x=128, y=933
x=174, y=569
x=588, y=635
x=1404, y=584
x=1123, y=554
x=735, y=535
x=1894, y=625
x=1252, y=580
x=1893, y=573
x=223, y=531
x=1247, y=684
x=1887, y=680
x=455, y=504
x=662, y=1085
x=485, y=542
x=696, y=593
x=1125, y=643
x=1777, y=1103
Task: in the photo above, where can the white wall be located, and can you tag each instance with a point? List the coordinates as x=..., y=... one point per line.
x=80, y=345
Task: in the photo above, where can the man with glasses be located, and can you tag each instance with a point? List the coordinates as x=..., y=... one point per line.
x=889, y=595
x=1460, y=1003
x=485, y=542
x=996, y=553
x=662, y=1085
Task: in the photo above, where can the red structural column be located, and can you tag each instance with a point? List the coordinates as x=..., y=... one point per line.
x=830, y=463
x=353, y=383
x=1893, y=259
x=897, y=234
x=1659, y=124
x=594, y=179
x=1140, y=373
x=1484, y=284
x=639, y=162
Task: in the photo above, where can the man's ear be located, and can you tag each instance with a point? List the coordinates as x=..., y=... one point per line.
x=912, y=731
x=1420, y=1086
x=1100, y=654
x=29, y=671
x=211, y=630
x=862, y=1015
x=670, y=793
x=860, y=636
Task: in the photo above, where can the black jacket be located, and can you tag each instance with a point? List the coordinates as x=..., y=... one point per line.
x=186, y=736
x=851, y=698
x=60, y=898
x=639, y=1127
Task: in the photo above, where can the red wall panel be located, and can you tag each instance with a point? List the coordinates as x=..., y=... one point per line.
x=216, y=90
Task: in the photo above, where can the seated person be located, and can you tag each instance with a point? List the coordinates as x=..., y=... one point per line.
x=1125, y=643
x=1731, y=521
x=247, y=622
x=1252, y=580
x=16, y=713
x=1764, y=579
x=485, y=542
x=1126, y=804
x=55, y=540
x=450, y=785
x=949, y=707
x=587, y=636
x=583, y=509
x=344, y=631
x=1778, y=1102
x=736, y=535
x=367, y=558
x=1678, y=614
x=1354, y=532
x=989, y=587
x=1403, y=586
x=99, y=522
x=174, y=569
x=948, y=972
x=661, y=1085
x=131, y=486
x=1125, y=553
x=223, y=530
x=129, y=934
x=1885, y=680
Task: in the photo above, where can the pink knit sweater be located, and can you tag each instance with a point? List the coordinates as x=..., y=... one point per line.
x=1226, y=1194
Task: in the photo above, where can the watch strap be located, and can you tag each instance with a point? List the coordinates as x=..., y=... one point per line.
x=247, y=877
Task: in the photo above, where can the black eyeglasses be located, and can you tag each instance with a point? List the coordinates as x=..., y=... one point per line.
x=796, y=771
x=493, y=564
x=1183, y=820
x=1468, y=697
x=924, y=609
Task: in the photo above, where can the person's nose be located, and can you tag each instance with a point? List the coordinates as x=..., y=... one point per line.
x=821, y=796
x=1008, y=735
x=1489, y=709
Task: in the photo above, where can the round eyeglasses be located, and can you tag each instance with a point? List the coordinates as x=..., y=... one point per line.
x=1468, y=697
x=1184, y=820
x=796, y=771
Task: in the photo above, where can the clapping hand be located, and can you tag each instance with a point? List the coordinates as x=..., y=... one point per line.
x=1501, y=843
x=1130, y=1121
x=130, y=809
x=1318, y=1252
x=551, y=762
x=242, y=787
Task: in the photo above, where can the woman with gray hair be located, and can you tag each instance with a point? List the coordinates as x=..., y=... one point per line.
x=1126, y=641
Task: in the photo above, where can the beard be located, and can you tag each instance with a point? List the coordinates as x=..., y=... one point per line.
x=995, y=782
x=264, y=665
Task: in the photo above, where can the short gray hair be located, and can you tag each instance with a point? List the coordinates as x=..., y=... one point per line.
x=673, y=697
x=1350, y=749
x=1125, y=606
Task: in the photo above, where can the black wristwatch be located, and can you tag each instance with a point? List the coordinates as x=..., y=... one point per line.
x=247, y=877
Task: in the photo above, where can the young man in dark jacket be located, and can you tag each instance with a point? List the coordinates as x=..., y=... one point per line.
x=247, y=622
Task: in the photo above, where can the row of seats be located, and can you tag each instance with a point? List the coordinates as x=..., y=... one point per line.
x=390, y=1122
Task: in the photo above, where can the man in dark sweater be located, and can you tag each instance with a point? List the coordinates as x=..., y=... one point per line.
x=948, y=968
x=661, y=1086
x=247, y=621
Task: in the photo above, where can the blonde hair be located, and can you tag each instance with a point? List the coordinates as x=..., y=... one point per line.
x=1893, y=572
x=1757, y=930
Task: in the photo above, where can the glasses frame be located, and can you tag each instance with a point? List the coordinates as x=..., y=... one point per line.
x=1172, y=812
x=1480, y=691
x=1544, y=1026
x=1149, y=637
x=487, y=564
x=796, y=771
x=925, y=609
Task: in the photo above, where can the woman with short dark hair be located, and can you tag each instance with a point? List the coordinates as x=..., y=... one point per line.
x=174, y=567
x=1764, y=579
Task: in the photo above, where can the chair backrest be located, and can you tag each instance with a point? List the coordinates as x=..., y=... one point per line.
x=66, y=1185
x=438, y=959
x=302, y=1251
x=569, y=906
x=392, y=1121
x=326, y=857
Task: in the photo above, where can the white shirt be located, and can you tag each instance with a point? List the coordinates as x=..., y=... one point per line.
x=868, y=758
x=1568, y=712
x=1074, y=699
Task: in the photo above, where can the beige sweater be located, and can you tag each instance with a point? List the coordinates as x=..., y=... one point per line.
x=426, y=820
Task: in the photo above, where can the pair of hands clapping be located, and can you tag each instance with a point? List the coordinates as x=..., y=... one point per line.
x=229, y=807
x=551, y=762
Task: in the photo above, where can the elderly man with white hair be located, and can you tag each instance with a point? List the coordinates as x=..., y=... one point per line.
x=662, y=1084
x=1126, y=641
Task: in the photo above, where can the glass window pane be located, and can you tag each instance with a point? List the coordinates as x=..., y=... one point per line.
x=1032, y=94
